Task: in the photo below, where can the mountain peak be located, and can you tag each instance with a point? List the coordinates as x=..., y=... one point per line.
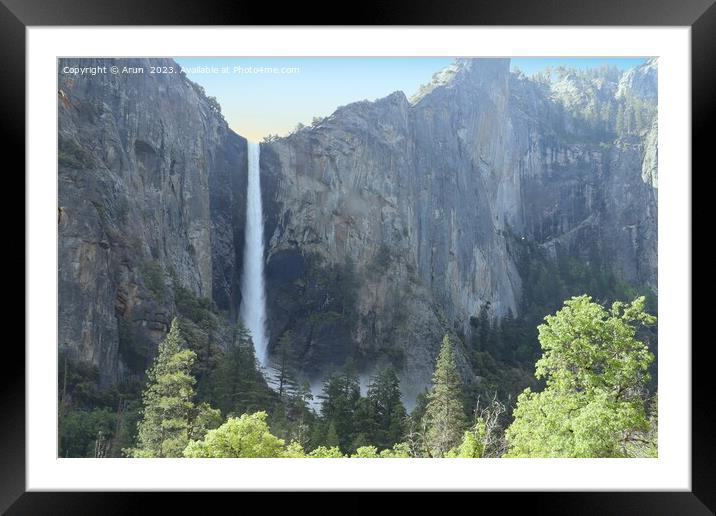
x=478, y=71
x=640, y=81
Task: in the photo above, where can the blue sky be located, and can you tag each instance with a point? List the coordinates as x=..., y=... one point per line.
x=257, y=102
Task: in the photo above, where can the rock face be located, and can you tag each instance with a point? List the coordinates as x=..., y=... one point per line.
x=151, y=190
x=420, y=200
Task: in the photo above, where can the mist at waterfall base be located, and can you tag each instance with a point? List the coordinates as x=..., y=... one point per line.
x=253, y=290
x=252, y=310
x=253, y=293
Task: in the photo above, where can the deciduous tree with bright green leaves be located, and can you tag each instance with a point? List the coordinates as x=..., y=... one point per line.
x=366, y=452
x=325, y=452
x=246, y=436
x=398, y=451
x=486, y=438
x=294, y=450
x=473, y=443
x=595, y=370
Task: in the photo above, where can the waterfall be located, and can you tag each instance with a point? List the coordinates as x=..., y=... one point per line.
x=253, y=294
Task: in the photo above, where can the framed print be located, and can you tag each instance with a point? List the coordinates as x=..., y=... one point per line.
x=445, y=250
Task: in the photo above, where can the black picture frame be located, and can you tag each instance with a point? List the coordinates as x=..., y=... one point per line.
x=17, y=15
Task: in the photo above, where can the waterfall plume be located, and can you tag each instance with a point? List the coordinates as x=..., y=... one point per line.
x=253, y=294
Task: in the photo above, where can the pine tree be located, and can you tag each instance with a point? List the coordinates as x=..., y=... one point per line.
x=295, y=417
x=509, y=336
x=341, y=395
x=483, y=329
x=300, y=415
x=364, y=425
x=241, y=388
x=445, y=416
x=284, y=377
x=387, y=409
x=332, y=436
x=304, y=396
x=169, y=417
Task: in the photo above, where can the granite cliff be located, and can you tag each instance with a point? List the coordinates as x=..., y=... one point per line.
x=151, y=187
x=427, y=200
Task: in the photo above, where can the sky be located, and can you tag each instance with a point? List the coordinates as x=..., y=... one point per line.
x=271, y=95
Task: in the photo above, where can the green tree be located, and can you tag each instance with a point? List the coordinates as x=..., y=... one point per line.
x=240, y=387
x=324, y=452
x=398, y=451
x=481, y=328
x=366, y=452
x=292, y=418
x=645, y=443
x=364, y=425
x=473, y=443
x=487, y=436
x=80, y=429
x=247, y=436
x=595, y=369
x=300, y=415
x=341, y=397
x=284, y=375
x=332, y=436
x=294, y=450
x=445, y=415
x=387, y=409
x=169, y=417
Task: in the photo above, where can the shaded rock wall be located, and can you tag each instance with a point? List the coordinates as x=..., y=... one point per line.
x=421, y=198
x=151, y=187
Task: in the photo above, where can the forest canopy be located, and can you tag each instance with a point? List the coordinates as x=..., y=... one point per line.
x=595, y=402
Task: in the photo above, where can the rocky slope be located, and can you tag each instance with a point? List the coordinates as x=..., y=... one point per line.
x=421, y=200
x=151, y=190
